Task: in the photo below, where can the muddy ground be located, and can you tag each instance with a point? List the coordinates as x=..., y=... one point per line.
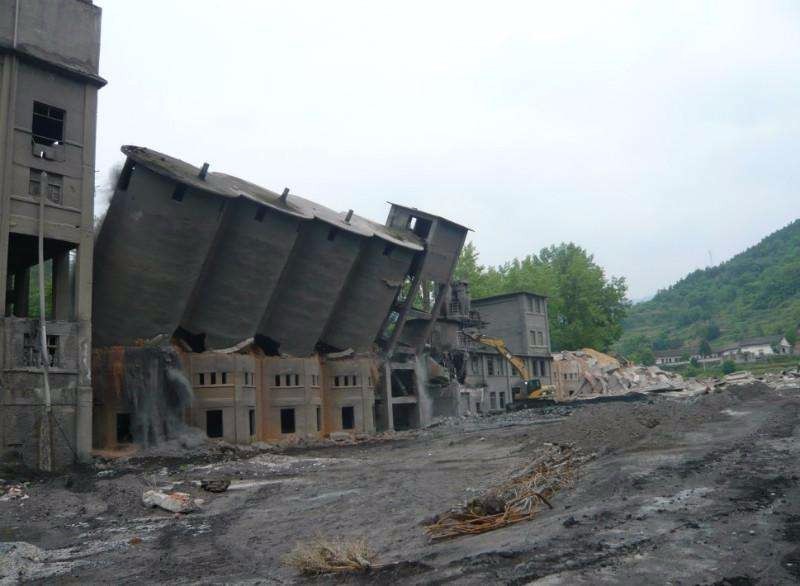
x=698, y=490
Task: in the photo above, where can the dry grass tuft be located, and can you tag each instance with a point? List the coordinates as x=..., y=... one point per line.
x=323, y=555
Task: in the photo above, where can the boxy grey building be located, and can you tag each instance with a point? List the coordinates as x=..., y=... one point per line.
x=49, y=55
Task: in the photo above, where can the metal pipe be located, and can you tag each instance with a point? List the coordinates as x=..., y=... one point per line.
x=45, y=436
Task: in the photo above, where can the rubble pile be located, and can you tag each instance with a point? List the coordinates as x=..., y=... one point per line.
x=592, y=373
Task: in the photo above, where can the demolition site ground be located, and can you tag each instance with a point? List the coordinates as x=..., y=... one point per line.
x=700, y=489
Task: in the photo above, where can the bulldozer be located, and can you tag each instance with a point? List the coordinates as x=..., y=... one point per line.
x=533, y=386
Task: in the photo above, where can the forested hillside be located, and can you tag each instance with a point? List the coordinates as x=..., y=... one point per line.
x=755, y=293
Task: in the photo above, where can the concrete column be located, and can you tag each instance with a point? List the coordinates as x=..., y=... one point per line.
x=388, y=415
x=8, y=92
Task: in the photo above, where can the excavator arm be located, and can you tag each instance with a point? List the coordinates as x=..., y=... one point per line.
x=534, y=390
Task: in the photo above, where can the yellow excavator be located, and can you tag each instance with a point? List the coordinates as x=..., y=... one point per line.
x=533, y=386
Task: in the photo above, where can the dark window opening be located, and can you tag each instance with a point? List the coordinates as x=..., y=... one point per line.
x=502, y=400
x=260, y=213
x=419, y=226
x=403, y=383
x=319, y=419
x=213, y=378
x=287, y=378
x=124, y=433
x=201, y=378
x=287, y=421
x=179, y=192
x=332, y=234
x=224, y=378
x=125, y=176
x=387, y=250
x=277, y=380
x=297, y=380
x=251, y=418
x=47, y=125
x=214, y=423
x=490, y=365
x=348, y=418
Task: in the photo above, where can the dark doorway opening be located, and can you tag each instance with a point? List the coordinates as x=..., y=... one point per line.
x=251, y=418
x=214, y=423
x=348, y=418
x=287, y=421
x=124, y=433
x=405, y=417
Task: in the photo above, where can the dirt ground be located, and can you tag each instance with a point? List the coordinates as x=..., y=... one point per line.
x=697, y=490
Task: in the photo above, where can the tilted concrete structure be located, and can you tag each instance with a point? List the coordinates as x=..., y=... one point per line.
x=49, y=54
x=287, y=312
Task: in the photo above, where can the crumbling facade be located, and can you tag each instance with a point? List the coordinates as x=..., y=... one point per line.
x=288, y=315
x=49, y=54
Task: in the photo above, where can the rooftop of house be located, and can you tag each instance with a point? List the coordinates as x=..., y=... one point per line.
x=506, y=296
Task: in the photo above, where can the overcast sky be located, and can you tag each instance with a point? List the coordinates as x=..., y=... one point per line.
x=649, y=133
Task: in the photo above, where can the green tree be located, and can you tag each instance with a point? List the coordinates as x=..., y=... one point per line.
x=585, y=307
x=728, y=366
x=705, y=348
x=791, y=336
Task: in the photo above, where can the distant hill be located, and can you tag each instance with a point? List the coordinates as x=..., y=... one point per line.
x=755, y=293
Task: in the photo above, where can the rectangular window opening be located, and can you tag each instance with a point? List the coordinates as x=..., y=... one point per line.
x=251, y=418
x=277, y=380
x=47, y=124
x=319, y=419
x=224, y=378
x=287, y=421
x=179, y=192
x=214, y=423
x=213, y=378
x=201, y=378
x=348, y=418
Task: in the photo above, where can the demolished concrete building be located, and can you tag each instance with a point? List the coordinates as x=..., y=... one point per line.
x=465, y=376
x=288, y=316
x=49, y=57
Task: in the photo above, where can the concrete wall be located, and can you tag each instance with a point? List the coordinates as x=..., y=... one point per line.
x=53, y=60
x=512, y=318
x=315, y=276
x=241, y=273
x=62, y=32
x=232, y=390
x=368, y=296
x=148, y=256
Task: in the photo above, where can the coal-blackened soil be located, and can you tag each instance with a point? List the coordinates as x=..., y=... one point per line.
x=693, y=490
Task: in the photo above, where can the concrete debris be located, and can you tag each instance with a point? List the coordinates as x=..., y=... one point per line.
x=13, y=492
x=587, y=373
x=174, y=502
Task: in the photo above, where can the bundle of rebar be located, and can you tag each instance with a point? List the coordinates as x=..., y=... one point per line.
x=518, y=499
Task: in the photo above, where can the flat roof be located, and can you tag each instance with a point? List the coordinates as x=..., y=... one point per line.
x=504, y=295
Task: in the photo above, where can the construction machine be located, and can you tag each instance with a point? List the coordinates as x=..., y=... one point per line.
x=533, y=386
